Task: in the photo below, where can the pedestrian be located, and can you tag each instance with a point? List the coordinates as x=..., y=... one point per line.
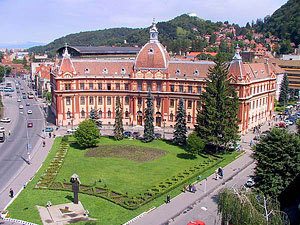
x=216, y=174
x=221, y=172
x=194, y=188
x=168, y=198
x=184, y=189
x=199, y=177
x=190, y=188
x=251, y=143
x=11, y=192
x=50, y=135
x=9, y=133
x=54, y=135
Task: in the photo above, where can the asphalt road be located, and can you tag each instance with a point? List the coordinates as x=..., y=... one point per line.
x=206, y=209
x=13, y=152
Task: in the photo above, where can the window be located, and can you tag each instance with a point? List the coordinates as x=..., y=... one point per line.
x=190, y=89
x=108, y=100
x=108, y=86
x=109, y=114
x=100, y=100
x=198, y=104
x=126, y=114
x=139, y=100
x=81, y=86
x=149, y=84
x=158, y=86
x=140, y=85
x=82, y=101
x=151, y=51
x=82, y=113
x=171, y=103
x=68, y=114
x=67, y=86
x=123, y=70
x=158, y=101
x=87, y=70
x=100, y=114
x=172, y=88
x=91, y=86
x=117, y=86
x=127, y=100
x=68, y=100
x=177, y=72
x=199, y=90
x=105, y=71
x=171, y=117
x=99, y=86
x=127, y=87
x=189, y=104
x=189, y=119
x=180, y=88
x=91, y=100
x=196, y=72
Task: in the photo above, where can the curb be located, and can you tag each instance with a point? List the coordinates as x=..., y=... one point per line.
x=209, y=192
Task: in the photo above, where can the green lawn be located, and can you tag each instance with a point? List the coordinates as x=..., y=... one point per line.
x=119, y=174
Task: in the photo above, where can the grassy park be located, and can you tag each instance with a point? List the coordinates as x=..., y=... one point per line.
x=129, y=167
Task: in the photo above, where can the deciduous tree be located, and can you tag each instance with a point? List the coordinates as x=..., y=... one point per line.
x=87, y=134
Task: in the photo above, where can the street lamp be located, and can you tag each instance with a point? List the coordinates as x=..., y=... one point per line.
x=164, y=122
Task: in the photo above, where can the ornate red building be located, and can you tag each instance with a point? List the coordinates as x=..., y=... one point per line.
x=82, y=84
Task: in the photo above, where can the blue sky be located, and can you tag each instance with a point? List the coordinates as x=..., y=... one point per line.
x=46, y=20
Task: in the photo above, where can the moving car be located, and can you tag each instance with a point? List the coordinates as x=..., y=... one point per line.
x=29, y=124
x=21, y=106
x=48, y=129
x=2, y=129
x=5, y=120
x=29, y=111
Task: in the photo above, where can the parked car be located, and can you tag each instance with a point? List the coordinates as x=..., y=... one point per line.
x=250, y=183
x=71, y=131
x=27, y=104
x=24, y=96
x=237, y=147
x=2, y=129
x=127, y=134
x=21, y=106
x=157, y=135
x=5, y=120
x=48, y=129
x=19, y=100
x=29, y=124
x=136, y=134
x=282, y=124
x=29, y=111
x=292, y=119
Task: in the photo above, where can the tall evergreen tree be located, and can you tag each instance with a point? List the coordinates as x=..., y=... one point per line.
x=217, y=121
x=118, y=126
x=94, y=115
x=278, y=161
x=149, y=127
x=180, y=126
x=284, y=90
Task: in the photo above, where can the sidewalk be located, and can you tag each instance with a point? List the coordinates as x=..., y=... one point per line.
x=181, y=202
x=27, y=172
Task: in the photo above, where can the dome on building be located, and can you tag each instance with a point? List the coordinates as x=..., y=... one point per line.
x=153, y=54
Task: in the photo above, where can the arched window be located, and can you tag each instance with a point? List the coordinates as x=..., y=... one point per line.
x=105, y=71
x=68, y=114
x=87, y=70
x=189, y=118
x=109, y=114
x=82, y=113
x=126, y=114
x=196, y=72
x=151, y=51
x=171, y=117
x=100, y=114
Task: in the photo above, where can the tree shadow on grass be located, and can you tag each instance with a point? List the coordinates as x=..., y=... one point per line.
x=77, y=146
x=170, y=142
x=69, y=197
x=186, y=156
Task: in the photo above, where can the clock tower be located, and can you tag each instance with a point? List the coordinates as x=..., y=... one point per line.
x=153, y=33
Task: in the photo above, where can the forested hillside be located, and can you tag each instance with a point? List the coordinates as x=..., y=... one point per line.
x=177, y=34
x=284, y=22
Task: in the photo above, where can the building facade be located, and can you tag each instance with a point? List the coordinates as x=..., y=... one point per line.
x=82, y=84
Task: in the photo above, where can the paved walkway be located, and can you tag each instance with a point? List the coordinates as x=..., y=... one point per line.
x=27, y=172
x=166, y=212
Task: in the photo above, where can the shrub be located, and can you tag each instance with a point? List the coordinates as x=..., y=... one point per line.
x=65, y=138
x=195, y=144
